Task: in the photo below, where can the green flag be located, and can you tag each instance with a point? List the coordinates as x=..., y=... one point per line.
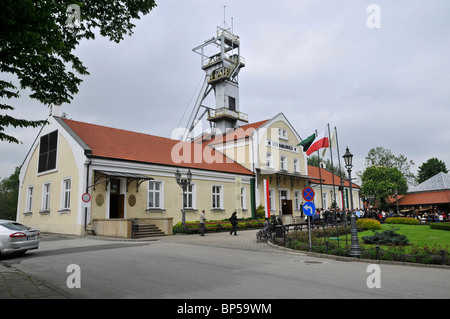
x=306, y=143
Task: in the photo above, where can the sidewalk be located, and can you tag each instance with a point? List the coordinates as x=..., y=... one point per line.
x=17, y=285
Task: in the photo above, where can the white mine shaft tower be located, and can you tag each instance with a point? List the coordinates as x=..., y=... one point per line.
x=221, y=60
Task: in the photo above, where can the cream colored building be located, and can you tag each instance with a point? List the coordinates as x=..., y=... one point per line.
x=269, y=149
x=129, y=177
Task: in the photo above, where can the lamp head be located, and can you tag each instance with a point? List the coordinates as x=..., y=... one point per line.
x=348, y=158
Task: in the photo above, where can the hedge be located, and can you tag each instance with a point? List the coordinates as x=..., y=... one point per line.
x=217, y=225
x=402, y=220
x=368, y=224
x=442, y=226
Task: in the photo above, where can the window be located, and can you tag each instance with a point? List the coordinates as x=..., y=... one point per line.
x=243, y=198
x=65, y=198
x=46, y=197
x=232, y=103
x=217, y=197
x=272, y=198
x=283, y=163
x=189, y=197
x=47, y=152
x=296, y=167
x=325, y=200
x=268, y=160
x=282, y=133
x=297, y=195
x=29, y=199
x=155, y=194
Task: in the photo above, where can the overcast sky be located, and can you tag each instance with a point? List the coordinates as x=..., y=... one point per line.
x=317, y=61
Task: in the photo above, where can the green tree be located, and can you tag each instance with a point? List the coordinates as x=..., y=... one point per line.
x=430, y=168
x=314, y=161
x=9, y=193
x=380, y=182
x=37, y=40
x=380, y=156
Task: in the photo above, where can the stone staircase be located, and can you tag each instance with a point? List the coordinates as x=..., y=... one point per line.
x=143, y=229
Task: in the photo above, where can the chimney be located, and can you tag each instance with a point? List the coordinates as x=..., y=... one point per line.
x=55, y=109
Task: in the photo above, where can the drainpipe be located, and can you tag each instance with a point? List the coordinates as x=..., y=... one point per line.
x=88, y=154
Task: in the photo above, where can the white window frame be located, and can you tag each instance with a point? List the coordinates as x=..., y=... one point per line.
x=46, y=197
x=191, y=191
x=29, y=204
x=152, y=193
x=282, y=134
x=297, y=197
x=272, y=198
x=283, y=163
x=217, y=197
x=269, y=161
x=244, y=198
x=65, y=193
x=325, y=200
x=296, y=166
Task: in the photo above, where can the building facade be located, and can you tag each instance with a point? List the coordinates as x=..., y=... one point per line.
x=128, y=176
x=80, y=177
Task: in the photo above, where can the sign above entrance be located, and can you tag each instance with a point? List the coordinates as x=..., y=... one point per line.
x=308, y=194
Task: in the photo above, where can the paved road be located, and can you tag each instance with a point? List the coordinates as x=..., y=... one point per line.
x=189, y=266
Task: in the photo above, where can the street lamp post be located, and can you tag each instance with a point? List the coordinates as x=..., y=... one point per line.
x=184, y=183
x=355, y=250
x=344, y=213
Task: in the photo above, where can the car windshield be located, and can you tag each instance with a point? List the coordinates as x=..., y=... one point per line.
x=15, y=226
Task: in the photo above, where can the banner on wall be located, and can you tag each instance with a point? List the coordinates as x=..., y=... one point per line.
x=266, y=198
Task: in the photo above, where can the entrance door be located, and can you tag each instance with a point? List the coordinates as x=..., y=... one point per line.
x=286, y=206
x=116, y=200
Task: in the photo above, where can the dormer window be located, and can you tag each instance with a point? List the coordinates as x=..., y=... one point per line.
x=47, y=152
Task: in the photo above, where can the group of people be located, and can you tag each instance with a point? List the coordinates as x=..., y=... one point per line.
x=332, y=215
x=431, y=216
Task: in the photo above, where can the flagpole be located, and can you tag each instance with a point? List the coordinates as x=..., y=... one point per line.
x=332, y=164
x=339, y=160
x=320, y=178
x=344, y=214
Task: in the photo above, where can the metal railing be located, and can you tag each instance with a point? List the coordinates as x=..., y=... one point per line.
x=213, y=113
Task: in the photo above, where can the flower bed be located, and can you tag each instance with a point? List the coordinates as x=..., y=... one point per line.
x=219, y=225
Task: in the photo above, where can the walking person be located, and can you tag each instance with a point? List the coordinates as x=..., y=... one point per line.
x=202, y=223
x=234, y=223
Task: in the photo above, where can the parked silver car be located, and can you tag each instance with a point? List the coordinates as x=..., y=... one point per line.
x=17, y=238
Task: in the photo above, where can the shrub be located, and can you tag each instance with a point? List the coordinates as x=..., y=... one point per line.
x=442, y=226
x=260, y=212
x=387, y=237
x=402, y=220
x=368, y=224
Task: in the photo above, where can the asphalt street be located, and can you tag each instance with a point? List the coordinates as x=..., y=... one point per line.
x=217, y=266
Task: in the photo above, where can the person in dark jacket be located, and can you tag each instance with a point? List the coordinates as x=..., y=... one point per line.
x=234, y=223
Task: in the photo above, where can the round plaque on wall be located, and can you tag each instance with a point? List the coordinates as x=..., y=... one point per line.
x=131, y=200
x=99, y=199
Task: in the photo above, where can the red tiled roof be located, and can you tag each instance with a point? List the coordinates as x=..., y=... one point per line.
x=327, y=177
x=440, y=197
x=239, y=133
x=120, y=144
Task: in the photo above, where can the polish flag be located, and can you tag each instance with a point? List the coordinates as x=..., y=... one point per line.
x=321, y=141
